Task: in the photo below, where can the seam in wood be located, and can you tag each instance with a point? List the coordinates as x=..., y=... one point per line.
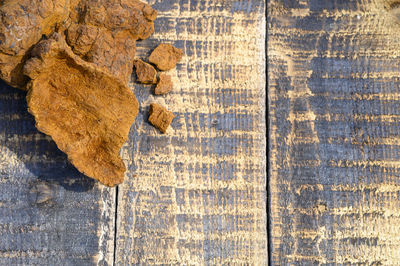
x=115, y=225
x=267, y=152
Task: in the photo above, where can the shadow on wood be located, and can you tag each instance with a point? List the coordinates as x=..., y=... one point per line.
x=37, y=151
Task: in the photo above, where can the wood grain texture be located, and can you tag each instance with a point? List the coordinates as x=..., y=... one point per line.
x=50, y=214
x=194, y=196
x=198, y=197
x=334, y=134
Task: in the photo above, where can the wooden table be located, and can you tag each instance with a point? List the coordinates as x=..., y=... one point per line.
x=194, y=196
x=334, y=105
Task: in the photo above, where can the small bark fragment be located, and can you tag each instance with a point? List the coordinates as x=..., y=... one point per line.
x=160, y=117
x=86, y=111
x=145, y=72
x=164, y=85
x=22, y=25
x=165, y=56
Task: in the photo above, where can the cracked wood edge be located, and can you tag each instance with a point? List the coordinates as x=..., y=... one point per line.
x=199, y=194
x=334, y=96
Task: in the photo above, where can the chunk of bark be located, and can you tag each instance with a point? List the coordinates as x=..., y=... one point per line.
x=113, y=51
x=22, y=24
x=145, y=73
x=86, y=111
x=165, y=56
x=101, y=31
x=164, y=85
x=105, y=33
x=132, y=15
x=160, y=117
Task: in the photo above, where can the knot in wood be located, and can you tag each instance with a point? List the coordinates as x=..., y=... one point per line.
x=42, y=193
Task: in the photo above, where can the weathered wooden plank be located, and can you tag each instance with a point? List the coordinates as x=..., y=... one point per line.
x=198, y=196
x=334, y=111
x=50, y=214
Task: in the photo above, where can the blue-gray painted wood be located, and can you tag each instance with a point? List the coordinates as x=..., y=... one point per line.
x=193, y=196
x=198, y=197
x=334, y=151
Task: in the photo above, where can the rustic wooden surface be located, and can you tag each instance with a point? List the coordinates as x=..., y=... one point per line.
x=199, y=194
x=334, y=92
x=194, y=196
x=50, y=214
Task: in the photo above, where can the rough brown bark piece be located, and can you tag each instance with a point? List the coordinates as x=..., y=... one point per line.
x=86, y=111
x=106, y=31
x=131, y=15
x=165, y=56
x=22, y=24
x=113, y=51
x=145, y=73
x=164, y=85
x=160, y=117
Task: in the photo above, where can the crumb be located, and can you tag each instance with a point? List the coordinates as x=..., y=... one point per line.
x=145, y=72
x=164, y=85
x=160, y=117
x=165, y=56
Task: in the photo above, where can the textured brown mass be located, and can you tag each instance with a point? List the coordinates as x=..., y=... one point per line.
x=105, y=32
x=86, y=111
x=117, y=15
x=164, y=85
x=114, y=51
x=165, y=56
x=160, y=117
x=22, y=24
x=145, y=73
